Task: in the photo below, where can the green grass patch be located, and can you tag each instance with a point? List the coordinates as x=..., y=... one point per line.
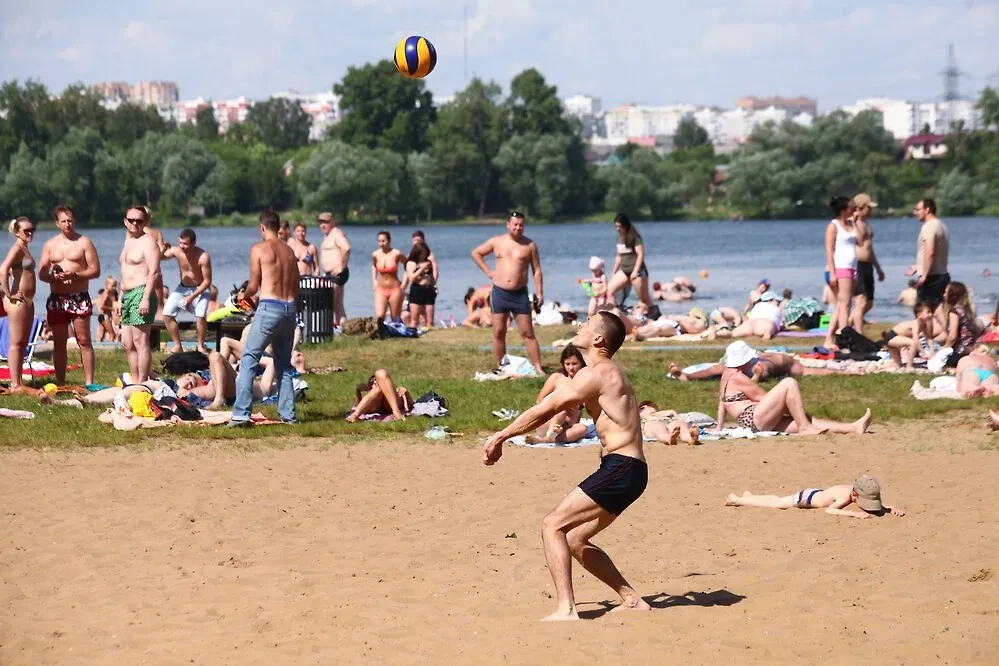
x=446, y=361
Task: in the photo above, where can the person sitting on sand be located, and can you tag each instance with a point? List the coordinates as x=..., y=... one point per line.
x=977, y=375
x=865, y=493
x=564, y=427
x=666, y=425
x=780, y=409
x=380, y=396
x=913, y=334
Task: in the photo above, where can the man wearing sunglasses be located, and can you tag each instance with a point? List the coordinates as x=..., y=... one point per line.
x=68, y=263
x=140, y=273
x=515, y=253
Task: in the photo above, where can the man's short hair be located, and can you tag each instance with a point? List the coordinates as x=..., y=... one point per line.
x=612, y=329
x=270, y=220
x=64, y=209
x=139, y=207
x=300, y=224
x=188, y=234
x=930, y=205
x=285, y=224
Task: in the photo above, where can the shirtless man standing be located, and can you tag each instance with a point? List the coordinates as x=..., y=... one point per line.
x=274, y=276
x=334, y=255
x=305, y=252
x=514, y=253
x=68, y=263
x=140, y=273
x=867, y=261
x=621, y=479
x=191, y=294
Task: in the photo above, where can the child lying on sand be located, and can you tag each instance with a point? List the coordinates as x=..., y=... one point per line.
x=865, y=493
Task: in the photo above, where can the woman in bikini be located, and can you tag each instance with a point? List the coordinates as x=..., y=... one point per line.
x=385, y=264
x=564, y=427
x=18, y=296
x=423, y=286
x=962, y=325
x=780, y=409
x=665, y=425
x=841, y=264
x=977, y=375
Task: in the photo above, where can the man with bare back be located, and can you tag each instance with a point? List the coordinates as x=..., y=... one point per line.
x=68, y=263
x=274, y=276
x=334, y=257
x=305, y=252
x=867, y=261
x=140, y=273
x=621, y=479
x=514, y=252
x=191, y=294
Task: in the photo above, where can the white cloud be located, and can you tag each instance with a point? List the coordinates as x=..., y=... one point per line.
x=740, y=39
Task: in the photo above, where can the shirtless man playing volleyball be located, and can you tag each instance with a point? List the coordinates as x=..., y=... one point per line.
x=621, y=479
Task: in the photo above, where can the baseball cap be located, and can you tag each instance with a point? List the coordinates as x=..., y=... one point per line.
x=595, y=263
x=863, y=199
x=764, y=281
x=738, y=354
x=868, y=493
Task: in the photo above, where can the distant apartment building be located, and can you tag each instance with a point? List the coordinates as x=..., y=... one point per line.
x=581, y=106
x=113, y=91
x=631, y=121
x=793, y=105
x=155, y=93
x=160, y=94
x=227, y=112
x=905, y=119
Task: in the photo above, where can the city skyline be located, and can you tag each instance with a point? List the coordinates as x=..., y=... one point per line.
x=722, y=53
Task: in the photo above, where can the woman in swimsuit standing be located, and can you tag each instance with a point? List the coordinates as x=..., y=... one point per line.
x=18, y=295
x=629, y=263
x=841, y=264
x=780, y=409
x=385, y=264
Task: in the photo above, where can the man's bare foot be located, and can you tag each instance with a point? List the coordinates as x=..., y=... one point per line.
x=561, y=616
x=993, y=420
x=637, y=604
x=863, y=423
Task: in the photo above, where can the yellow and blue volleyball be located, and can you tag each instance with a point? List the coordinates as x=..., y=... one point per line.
x=415, y=57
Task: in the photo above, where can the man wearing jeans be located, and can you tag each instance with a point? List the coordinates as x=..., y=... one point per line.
x=274, y=277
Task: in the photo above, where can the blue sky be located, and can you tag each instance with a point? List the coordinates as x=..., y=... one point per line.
x=641, y=51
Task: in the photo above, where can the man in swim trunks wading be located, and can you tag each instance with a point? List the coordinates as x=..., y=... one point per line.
x=140, y=273
x=514, y=253
x=621, y=479
x=68, y=263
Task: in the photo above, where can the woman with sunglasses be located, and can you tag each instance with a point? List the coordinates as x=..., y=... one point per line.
x=17, y=287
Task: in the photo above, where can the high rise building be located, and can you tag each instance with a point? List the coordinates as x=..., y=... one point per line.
x=155, y=93
x=793, y=105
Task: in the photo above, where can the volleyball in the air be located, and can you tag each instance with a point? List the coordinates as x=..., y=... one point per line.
x=415, y=57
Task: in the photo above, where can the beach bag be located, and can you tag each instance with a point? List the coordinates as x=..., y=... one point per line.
x=369, y=327
x=858, y=344
x=170, y=406
x=395, y=329
x=183, y=362
x=431, y=404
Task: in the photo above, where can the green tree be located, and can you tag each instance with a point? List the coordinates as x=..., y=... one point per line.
x=464, y=142
x=689, y=134
x=344, y=178
x=23, y=111
x=760, y=184
x=988, y=104
x=282, y=123
x=206, y=126
x=537, y=172
x=25, y=188
x=71, y=163
x=382, y=109
x=956, y=193
x=130, y=122
x=533, y=106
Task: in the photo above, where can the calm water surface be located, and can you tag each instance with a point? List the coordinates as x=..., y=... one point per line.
x=736, y=255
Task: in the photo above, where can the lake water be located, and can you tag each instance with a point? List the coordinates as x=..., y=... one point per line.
x=736, y=255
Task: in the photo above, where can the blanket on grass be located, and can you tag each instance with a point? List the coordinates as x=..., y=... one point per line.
x=208, y=418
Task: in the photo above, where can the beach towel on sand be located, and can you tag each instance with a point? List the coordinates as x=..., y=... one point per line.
x=940, y=387
x=122, y=421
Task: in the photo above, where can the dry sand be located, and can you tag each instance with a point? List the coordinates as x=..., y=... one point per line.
x=405, y=553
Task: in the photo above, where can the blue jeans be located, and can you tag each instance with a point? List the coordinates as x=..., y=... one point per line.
x=273, y=324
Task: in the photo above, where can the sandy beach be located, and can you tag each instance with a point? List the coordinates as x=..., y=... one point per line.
x=414, y=552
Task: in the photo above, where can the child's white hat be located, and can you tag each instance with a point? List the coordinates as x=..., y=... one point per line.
x=595, y=263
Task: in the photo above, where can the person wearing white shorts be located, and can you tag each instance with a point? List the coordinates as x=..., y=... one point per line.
x=192, y=294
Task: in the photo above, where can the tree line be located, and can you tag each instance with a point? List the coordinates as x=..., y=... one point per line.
x=395, y=153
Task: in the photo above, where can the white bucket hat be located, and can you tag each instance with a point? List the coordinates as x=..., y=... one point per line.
x=738, y=354
x=595, y=263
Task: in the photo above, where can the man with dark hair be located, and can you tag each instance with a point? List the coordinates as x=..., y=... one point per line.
x=274, y=275
x=68, y=263
x=140, y=273
x=621, y=479
x=191, y=294
x=515, y=253
x=932, y=253
x=867, y=261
